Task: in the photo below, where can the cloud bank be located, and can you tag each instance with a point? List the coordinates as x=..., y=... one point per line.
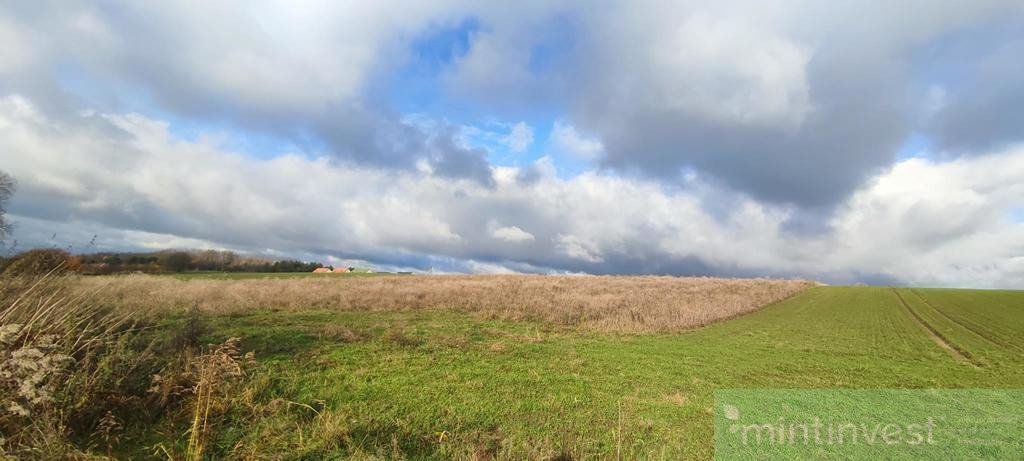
x=846, y=142
x=942, y=221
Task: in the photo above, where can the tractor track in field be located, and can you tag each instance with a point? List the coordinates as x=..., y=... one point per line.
x=956, y=351
x=986, y=337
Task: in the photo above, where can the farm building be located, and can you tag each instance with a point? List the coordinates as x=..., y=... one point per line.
x=342, y=269
x=321, y=270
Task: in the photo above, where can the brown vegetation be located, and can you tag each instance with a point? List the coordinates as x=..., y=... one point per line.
x=619, y=304
x=38, y=262
x=75, y=373
x=68, y=368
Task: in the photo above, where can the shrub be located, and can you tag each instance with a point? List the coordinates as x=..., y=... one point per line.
x=73, y=264
x=177, y=261
x=37, y=262
x=195, y=325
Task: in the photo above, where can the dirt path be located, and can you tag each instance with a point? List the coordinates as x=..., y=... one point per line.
x=956, y=351
x=983, y=335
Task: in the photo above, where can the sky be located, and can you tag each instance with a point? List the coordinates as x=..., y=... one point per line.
x=846, y=142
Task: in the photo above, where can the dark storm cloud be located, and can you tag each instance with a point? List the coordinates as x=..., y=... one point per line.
x=986, y=112
x=453, y=161
x=792, y=103
x=861, y=104
x=857, y=123
x=847, y=139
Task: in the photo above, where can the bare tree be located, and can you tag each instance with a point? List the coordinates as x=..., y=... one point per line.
x=7, y=185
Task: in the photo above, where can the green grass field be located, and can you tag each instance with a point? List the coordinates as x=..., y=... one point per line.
x=441, y=384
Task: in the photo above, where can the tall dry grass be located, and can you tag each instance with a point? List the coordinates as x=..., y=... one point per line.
x=77, y=370
x=206, y=385
x=65, y=368
x=602, y=303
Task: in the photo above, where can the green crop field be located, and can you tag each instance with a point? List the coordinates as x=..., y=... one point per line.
x=436, y=383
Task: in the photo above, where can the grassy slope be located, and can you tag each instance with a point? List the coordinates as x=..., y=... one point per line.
x=443, y=384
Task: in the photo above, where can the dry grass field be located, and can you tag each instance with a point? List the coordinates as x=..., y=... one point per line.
x=615, y=304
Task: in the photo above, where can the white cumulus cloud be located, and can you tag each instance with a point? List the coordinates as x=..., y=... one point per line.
x=520, y=137
x=511, y=234
x=565, y=137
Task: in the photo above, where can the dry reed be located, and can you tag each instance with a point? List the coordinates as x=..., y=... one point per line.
x=600, y=303
x=59, y=361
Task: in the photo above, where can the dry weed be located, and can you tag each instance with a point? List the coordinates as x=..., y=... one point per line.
x=211, y=383
x=601, y=303
x=340, y=333
x=59, y=358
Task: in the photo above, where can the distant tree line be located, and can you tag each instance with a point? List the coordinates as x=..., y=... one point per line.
x=41, y=261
